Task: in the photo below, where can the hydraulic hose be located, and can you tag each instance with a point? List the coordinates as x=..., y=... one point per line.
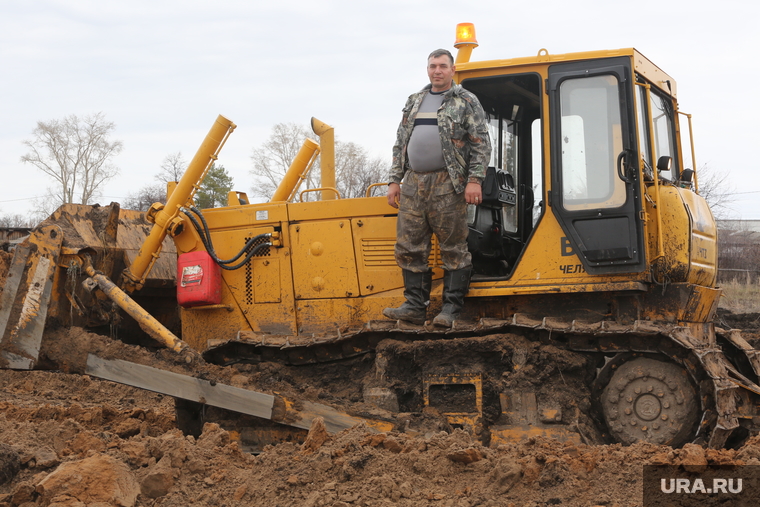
x=205, y=235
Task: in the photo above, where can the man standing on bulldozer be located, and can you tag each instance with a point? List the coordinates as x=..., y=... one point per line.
x=441, y=153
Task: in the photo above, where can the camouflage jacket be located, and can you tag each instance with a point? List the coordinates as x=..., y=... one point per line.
x=464, y=136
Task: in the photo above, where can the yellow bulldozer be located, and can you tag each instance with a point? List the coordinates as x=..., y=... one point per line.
x=589, y=315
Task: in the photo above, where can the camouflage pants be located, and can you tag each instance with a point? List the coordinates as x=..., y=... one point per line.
x=429, y=205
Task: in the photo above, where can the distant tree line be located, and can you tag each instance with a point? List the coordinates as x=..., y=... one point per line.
x=76, y=153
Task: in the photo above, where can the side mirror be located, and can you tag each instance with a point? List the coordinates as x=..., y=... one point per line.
x=664, y=163
x=686, y=177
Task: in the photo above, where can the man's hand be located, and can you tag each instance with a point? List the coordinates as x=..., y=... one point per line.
x=394, y=190
x=473, y=193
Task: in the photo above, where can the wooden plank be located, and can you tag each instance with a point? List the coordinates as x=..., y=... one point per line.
x=220, y=395
x=182, y=386
x=335, y=421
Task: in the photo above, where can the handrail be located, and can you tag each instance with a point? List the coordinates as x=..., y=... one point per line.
x=369, y=188
x=300, y=196
x=693, y=156
x=658, y=217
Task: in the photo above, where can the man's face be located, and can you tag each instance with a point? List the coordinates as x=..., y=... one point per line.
x=441, y=72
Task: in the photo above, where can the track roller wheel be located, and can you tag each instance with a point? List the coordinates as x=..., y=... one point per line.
x=650, y=400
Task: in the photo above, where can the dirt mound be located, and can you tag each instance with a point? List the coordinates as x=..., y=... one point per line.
x=10, y=463
x=120, y=446
x=81, y=441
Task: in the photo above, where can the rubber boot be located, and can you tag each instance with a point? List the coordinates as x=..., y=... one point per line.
x=455, y=286
x=417, y=293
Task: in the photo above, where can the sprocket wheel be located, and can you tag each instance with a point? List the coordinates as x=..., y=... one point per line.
x=652, y=401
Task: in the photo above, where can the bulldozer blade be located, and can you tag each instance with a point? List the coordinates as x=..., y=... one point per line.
x=45, y=284
x=112, y=237
x=26, y=297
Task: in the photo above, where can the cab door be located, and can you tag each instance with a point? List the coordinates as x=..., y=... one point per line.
x=595, y=191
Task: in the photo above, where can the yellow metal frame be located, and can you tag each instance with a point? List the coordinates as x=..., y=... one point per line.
x=658, y=217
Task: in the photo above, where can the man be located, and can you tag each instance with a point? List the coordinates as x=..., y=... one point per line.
x=441, y=153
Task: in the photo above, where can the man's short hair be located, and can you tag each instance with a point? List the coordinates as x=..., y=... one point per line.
x=441, y=52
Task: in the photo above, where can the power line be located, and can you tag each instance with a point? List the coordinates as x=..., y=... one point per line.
x=43, y=196
x=23, y=199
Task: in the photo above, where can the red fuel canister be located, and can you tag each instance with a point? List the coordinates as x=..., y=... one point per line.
x=199, y=280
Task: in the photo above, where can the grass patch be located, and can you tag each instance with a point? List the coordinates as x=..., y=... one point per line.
x=740, y=297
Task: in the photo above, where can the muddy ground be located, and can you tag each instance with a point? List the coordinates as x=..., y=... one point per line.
x=70, y=440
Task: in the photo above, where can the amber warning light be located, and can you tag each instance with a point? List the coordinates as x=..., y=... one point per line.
x=465, y=35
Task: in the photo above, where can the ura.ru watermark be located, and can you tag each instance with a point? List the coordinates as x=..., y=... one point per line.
x=714, y=486
x=693, y=485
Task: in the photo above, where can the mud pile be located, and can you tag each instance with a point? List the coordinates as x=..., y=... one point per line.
x=81, y=441
x=69, y=440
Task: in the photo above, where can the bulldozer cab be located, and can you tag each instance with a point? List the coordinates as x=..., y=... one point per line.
x=573, y=139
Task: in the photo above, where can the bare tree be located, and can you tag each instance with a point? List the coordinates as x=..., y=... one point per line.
x=354, y=169
x=76, y=152
x=44, y=205
x=715, y=186
x=144, y=197
x=738, y=247
x=273, y=158
x=172, y=168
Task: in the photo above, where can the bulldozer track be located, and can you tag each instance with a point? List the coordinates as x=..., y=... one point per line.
x=722, y=388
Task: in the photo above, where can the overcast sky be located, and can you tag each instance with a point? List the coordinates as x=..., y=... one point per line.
x=162, y=70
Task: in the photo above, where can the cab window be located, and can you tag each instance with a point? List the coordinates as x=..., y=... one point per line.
x=591, y=139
